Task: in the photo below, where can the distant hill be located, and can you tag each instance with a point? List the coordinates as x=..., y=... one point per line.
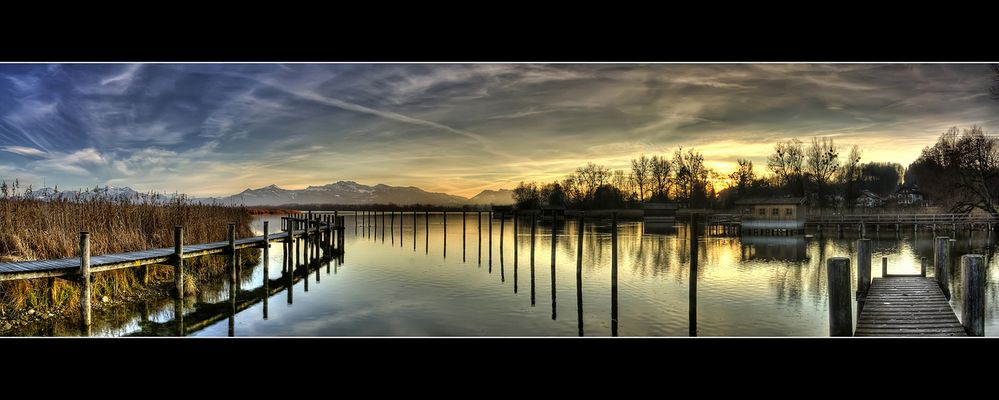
x=498, y=197
x=350, y=192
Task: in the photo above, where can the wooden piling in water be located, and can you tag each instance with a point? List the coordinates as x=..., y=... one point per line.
x=973, y=294
x=922, y=266
x=840, y=304
x=85, y=282
x=579, y=275
x=614, y=274
x=178, y=262
x=941, y=264
x=863, y=267
x=554, y=242
x=884, y=267
x=533, y=228
x=692, y=292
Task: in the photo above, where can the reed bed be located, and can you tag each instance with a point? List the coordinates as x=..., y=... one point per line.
x=32, y=229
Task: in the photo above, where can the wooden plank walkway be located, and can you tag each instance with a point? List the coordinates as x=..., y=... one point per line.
x=907, y=306
x=108, y=262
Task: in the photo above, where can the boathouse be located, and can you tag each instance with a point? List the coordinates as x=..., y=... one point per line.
x=773, y=213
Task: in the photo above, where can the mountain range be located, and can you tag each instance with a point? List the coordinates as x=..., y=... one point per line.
x=342, y=192
x=350, y=192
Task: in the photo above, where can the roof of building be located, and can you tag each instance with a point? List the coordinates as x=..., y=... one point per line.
x=771, y=200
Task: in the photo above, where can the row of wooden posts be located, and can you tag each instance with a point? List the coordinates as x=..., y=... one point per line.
x=329, y=238
x=972, y=293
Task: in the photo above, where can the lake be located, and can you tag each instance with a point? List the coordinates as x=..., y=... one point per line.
x=399, y=281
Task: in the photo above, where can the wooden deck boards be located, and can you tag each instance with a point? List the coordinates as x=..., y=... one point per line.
x=907, y=306
x=105, y=262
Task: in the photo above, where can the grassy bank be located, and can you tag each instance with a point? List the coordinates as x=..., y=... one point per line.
x=36, y=230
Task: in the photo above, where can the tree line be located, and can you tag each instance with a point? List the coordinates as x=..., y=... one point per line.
x=817, y=171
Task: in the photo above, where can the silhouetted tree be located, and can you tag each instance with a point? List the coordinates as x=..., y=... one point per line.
x=640, y=171
x=880, y=177
x=960, y=171
x=660, y=168
x=742, y=177
x=850, y=175
x=821, y=163
x=527, y=195
x=786, y=166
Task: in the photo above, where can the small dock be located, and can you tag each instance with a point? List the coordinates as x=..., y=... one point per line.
x=907, y=306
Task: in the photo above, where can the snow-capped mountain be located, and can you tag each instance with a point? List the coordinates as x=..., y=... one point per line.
x=350, y=192
x=498, y=197
x=106, y=192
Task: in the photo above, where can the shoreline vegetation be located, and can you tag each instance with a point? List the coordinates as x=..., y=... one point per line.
x=33, y=229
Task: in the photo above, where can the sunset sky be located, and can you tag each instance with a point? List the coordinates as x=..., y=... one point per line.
x=216, y=129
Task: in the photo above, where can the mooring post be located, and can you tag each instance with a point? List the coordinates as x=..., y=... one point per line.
x=922, y=266
x=692, y=291
x=533, y=228
x=178, y=263
x=614, y=274
x=863, y=267
x=884, y=267
x=973, y=294
x=840, y=305
x=85, y=282
x=941, y=261
x=579, y=275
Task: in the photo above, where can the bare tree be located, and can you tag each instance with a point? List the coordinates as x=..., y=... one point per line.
x=640, y=170
x=743, y=176
x=850, y=175
x=660, y=169
x=821, y=164
x=691, y=175
x=591, y=177
x=786, y=165
x=619, y=180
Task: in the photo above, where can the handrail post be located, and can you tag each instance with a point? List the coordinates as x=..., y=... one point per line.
x=85, y=282
x=178, y=266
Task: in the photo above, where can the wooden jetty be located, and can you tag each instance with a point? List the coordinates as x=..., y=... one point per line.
x=316, y=232
x=906, y=305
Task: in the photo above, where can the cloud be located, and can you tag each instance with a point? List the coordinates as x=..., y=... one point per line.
x=24, y=151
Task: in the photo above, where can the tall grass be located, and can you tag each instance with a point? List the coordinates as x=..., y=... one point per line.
x=49, y=229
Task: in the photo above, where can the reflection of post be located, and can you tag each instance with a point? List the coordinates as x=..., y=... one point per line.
x=614, y=274
x=502, y=274
x=267, y=270
x=692, y=300
x=178, y=315
x=478, y=217
x=553, y=265
x=426, y=235
x=515, y=240
x=444, y=217
x=490, y=216
x=579, y=275
x=414, y=231
x=533, y=226
x=462, y=235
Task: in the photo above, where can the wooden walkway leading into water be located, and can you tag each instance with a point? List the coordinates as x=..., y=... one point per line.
x=907, y=306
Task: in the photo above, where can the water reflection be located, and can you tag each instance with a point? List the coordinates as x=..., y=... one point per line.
x=748, y=286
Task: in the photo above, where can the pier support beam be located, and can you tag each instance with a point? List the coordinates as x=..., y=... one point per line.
x=85, y=282
x=941, y=263
x=863, y=267
x=840, y=305
x=973, y=294
x=178, y=262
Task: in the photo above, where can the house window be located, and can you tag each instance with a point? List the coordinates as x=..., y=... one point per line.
x=775, y=211
x=789, y=212
x=763, y=212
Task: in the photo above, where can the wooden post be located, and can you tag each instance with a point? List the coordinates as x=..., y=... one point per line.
x=973, y=294
x=232, y=253
x=614, y=274
x=922, y=267
x=863, y=267
x=554, y=242
x=533, y=228
x=840, y=305
x=515, y=249
x=490, y=216
x=178, y=263
x=941, y=263
x=85, y=281
x=579, y=275
x=884, y=267
x=692, y=293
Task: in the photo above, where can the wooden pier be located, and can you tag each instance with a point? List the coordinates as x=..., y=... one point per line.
x=317, y=233
x=907, y=306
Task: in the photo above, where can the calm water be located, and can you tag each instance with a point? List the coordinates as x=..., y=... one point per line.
x=421, y=282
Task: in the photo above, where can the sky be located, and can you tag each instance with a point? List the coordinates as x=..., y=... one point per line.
x=217, y=129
